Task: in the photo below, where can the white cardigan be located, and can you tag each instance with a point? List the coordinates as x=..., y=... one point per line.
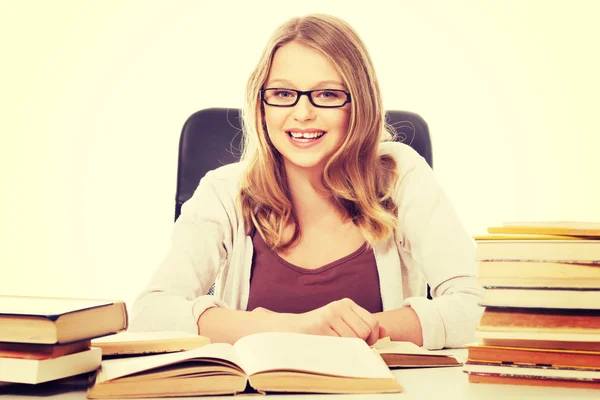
x=209, y=244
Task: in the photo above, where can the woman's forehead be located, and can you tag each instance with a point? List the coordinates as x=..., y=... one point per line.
x=300, y=67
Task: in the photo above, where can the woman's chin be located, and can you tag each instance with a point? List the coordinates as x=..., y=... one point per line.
x=305, y=162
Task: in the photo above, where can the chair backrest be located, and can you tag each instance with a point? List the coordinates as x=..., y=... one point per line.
x=212, y=137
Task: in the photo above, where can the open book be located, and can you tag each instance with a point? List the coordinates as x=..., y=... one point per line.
x=267, y=362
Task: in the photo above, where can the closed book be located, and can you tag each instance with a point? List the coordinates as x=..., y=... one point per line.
x=498, y=379
x=585, y=299
x=20, y=370
x=581, y=251
x=533, y=371
x=558, y=343
x=265, y=362
x=541, y=335
x=533, y=356
x=524, y=236
x=568, y=228
x=41, y=351
x=50, y=320
x=397, y=354
x=538, y=274
x=129, y=343
x=540, y=320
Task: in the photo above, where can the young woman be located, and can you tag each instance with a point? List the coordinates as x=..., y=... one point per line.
x=325, y=226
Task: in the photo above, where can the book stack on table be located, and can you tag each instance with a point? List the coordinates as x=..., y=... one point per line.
x=47, y=339
x=62, y=340
x=541, y=324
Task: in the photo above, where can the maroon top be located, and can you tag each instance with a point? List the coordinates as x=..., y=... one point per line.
x=280, y=286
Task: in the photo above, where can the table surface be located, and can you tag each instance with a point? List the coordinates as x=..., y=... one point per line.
x=418, y=383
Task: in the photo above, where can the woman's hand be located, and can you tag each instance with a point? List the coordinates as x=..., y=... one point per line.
x=342, y=318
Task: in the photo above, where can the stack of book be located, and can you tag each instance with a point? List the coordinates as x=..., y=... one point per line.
x=541, y=324
x=46, y=339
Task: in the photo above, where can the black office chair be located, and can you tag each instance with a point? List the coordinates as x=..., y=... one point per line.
x=212, y=137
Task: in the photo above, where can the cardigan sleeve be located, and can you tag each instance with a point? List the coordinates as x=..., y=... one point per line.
x=431, y=238
x=176, y=295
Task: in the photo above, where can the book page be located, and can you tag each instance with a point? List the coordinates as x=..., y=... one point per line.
x=120, y=367
x=346, y=357
x=386, y=345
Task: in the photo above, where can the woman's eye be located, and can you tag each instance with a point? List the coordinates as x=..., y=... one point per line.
x=283, y=93
x=326, y=94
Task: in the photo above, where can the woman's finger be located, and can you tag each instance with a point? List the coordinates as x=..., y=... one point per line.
x=372, y=323
x=357, y=324
x=341, y=327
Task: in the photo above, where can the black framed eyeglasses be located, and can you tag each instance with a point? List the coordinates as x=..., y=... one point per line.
x=322, y=98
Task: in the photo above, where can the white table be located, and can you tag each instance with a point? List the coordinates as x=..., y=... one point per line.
x=419, y=384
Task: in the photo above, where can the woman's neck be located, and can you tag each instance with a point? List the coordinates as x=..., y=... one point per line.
x=309, y=197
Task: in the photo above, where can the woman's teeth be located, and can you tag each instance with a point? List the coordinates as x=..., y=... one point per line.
x=305, y=137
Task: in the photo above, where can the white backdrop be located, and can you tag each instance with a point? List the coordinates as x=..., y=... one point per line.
x=93, y=96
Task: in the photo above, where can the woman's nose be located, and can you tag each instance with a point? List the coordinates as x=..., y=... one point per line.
x=304, y=110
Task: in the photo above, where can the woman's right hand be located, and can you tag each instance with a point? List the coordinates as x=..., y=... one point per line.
x=343, y=318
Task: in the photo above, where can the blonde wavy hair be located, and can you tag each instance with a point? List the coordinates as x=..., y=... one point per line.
x=359, y=179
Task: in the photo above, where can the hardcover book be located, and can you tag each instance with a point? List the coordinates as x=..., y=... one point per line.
x=567, y=228
x=50, y=320
x=578, y=251
x=533, y=371
x=41, y=351
x=538, y=274
x=407, y=354
x=540, y=320
x=584, y=299
x=22, y=370
x=532, y=356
